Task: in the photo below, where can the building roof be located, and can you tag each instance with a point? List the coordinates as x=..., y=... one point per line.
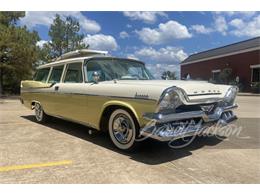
x=235, y=48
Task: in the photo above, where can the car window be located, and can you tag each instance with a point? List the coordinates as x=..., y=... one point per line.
x=74, y=73
x=56, y=74
x=41, y=74
x=121, y=69
x=94, y=67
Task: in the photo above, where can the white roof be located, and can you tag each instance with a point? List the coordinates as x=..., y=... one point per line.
x=81, y=52
x=78, y=55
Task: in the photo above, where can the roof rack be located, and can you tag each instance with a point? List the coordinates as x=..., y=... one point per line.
x=80, y=53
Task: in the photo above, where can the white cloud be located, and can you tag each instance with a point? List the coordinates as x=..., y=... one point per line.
x=129, y=26
x=41, y=43
x=164, y=33
x=167, y=55
x=221, y=25
x=238, y=23
x=147, y=17
x=243, y=24
x=123, y=35
x=86, y=24
x=35, y=18
x=250, y=28
x=201, y=29
x=244, y=14
x=101, y=42
x=163, y=59
x=132, y=56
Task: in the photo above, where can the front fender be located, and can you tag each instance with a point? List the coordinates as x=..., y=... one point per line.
x=123, y=104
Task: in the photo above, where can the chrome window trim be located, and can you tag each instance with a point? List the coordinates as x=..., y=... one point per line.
x=61, y=73
x=66, y=68
x=48, y=77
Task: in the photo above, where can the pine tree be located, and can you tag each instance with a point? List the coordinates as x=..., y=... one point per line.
x=18, y=51
x=168, y=75
x=65, y=37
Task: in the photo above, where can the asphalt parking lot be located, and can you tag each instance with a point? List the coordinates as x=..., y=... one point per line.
x=64, y=152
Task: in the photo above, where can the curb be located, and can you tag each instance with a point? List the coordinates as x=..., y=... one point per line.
x=248, y=94
x=14, y=97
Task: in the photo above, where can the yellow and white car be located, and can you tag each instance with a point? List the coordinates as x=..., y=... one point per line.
x=121, y=96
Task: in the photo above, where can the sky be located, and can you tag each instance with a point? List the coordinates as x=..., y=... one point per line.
x=161, y=39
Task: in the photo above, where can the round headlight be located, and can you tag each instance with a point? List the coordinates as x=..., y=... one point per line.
x=170, y=100
x=231, y=95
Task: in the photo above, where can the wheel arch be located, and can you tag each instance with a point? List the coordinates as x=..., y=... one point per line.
x=33, y=103
x=110, y=106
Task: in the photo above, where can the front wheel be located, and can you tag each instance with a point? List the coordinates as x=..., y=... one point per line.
x=122, y=129
x=40, y=115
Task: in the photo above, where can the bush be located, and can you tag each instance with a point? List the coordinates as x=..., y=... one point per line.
x=255, y=87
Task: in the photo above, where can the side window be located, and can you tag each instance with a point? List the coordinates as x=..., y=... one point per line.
x=74, y=73
x=94, y=66
x=42, y=75
x=56, y=74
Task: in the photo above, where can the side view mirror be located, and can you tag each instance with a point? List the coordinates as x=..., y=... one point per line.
x=95, y=77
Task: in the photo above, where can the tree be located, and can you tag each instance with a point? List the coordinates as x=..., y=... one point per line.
x=44, y=54
x=74, y=40
x=10, y=18
x=168, y=75
x=57, y=33
x=225, y=75
x=65, y=36
x=18, y=51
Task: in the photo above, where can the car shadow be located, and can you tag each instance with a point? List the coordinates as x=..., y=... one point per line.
x=149, y=151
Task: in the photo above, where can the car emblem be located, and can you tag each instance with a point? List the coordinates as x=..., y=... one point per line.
x=207, y=108
x=141, y=96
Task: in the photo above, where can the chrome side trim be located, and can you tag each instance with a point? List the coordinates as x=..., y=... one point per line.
x=83, y=94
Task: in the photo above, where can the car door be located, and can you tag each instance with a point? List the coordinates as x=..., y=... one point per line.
x=72, y=90
x=52, y=95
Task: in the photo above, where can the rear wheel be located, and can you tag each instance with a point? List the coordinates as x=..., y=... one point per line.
x=39, y=113
x=122, y=129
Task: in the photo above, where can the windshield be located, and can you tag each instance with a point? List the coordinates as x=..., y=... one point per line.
x=121, y=69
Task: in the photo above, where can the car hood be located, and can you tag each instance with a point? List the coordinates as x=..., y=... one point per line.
x=152, y=89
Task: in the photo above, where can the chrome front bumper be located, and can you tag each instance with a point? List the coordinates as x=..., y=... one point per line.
x=221, y=116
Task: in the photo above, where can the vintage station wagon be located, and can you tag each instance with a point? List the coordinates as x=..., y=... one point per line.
x=121, y=96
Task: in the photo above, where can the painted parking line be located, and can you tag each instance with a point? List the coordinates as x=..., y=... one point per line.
x=33, y=166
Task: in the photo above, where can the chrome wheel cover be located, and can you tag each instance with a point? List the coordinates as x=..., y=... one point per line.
x=38, y=112
x=122, y=128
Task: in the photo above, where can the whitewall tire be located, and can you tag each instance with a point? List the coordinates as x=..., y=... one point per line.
x=122, y=129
